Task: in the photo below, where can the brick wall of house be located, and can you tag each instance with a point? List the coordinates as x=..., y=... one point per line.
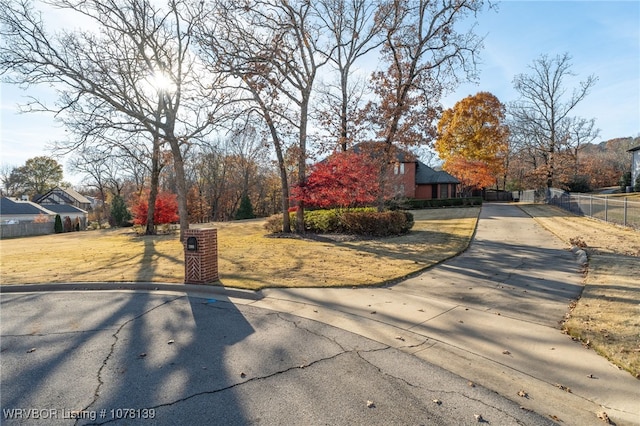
x=403, y=178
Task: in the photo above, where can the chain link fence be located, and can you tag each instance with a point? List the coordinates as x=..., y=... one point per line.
x=618, y=210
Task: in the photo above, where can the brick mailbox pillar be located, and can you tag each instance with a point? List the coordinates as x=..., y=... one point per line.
x=200, y=256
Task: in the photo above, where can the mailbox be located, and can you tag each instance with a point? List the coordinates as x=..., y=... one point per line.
x=192, y=244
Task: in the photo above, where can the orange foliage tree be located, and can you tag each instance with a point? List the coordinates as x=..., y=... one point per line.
x=473, y=134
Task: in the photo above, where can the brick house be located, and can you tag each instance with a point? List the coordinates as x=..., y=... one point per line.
x=411, y=178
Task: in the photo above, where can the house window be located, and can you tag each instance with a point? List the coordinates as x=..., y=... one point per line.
x=398, y=168
x=444, y=191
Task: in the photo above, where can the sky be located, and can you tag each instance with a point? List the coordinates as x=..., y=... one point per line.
x=602, y=37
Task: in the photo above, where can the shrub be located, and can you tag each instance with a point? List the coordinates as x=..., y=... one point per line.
x=245, y=211
x=322, y=221
x=273, y=224
x=360, y=221
x=445, y=202
x=625, y=180
x=57, y=227
x=377, y=224
x=68, y=226
x=119, y=212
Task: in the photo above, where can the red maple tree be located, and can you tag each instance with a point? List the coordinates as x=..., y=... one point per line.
x=345, y=179
x=166, y=209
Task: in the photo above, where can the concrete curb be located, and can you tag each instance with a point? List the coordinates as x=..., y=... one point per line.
x=192, y=289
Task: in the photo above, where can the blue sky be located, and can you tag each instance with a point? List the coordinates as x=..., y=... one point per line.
x=602, y=37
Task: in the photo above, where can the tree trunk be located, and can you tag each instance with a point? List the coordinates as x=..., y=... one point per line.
x=181, y=184
x=153, y=191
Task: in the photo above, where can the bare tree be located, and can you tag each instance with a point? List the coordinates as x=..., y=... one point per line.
x=356, y=28
x=131, y=72
x=425, y=53
x=273, y=49
x=543, y=112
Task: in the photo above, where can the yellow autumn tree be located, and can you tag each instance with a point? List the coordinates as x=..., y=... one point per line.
x=473, y=133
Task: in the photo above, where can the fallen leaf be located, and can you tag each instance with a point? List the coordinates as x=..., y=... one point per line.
x=505, y=352
x=373, y=312
x=562, y=387
x=31, y=350
x=142, y=355
x=479, y=418
x=370, y=404
x=523, y=394
x=437, y=401
x=604, y=417
x=471, y=384
x=243, y=375
x=400, y=338
x=170, y=342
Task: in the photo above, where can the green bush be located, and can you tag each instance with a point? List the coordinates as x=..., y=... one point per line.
x=245, y=211
x=359, y=221
x=377, y=224
x=445, y=202
x=625, y=180
x=57, y=227
x=322, y=221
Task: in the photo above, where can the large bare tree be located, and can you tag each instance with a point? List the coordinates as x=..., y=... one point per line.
x=127, y=69
x=542, y=116
x=273, y=48
x=356, y=29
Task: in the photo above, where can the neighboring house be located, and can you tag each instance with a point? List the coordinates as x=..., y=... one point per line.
x=635, y=164
x=414, y=179
x=67, y=203
x=23, y=218
x=14, y=211
x=64, y=196
x=72, y=212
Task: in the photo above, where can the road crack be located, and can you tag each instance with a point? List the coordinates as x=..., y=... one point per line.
x=96, y=393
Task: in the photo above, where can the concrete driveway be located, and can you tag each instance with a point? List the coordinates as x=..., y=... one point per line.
x=475, y=339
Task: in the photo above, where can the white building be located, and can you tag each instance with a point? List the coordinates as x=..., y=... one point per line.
x=635, y=164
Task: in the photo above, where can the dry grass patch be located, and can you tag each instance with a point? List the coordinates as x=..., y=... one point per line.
x=607, y=316
x=247, y=257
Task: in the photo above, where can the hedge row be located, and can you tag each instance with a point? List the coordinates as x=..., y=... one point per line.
x=445, y=202
x=362, y=221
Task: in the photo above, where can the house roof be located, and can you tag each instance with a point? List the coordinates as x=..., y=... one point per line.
x=426, y=175
x=636, y=148
x=65, y=193
x=63, y=208
x=13, y=207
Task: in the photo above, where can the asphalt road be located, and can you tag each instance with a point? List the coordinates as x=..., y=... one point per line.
x=166, y=359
